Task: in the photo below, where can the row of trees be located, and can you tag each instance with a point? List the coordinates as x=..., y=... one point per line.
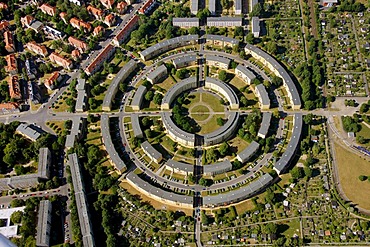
x=250, y=126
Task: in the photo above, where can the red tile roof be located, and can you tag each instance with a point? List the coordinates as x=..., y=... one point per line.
x=36, y=48
x=98, y=13
x=9, y=41
x=48, y=9
x=80, y=24
x=11, y=63
x=77, y=43
x=146, y=6
x=14, y=88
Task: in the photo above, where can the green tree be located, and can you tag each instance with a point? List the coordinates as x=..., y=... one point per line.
x=158, y=98
x=149, y=95
x=362, y=177
x=220, y=121
x=297, y=173
x=224, y=149
x=16, y=217
x=222, y=75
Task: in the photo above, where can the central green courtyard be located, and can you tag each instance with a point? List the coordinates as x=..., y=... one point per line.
x=205, y=108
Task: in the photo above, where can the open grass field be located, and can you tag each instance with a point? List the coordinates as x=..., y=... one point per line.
x=208, y=99
x=350, y=167
x=167, y=84
x=199, y=113
x=156, y=204
x=211, y=125
x=365, y=132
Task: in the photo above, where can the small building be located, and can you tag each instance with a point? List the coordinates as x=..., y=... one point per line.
x=121, y=7
x=263, y=96
x=48, y=9
x=14, y=88
x=265, y=125
x=185, y=22
x=138, y=98
x=135, y=122
x=221, y=40
x=9, y=41
x=248, y=152
x=153, y=154
x=107, y=3
x=61, y=61
x=225, y=21
x=238, y=6
x=255, y=26
x=109, y=20
x=45, y=159
x=244, y=73
x=53, y=33
x=29, y=131
x=220, y=62
x=9, y=108
x=157, y=75
x=185, y=61
x=11, y=64
x=38, y=49
x=98, y=30
x=81, y=95
x=97, y=13
x=79, y=44
x=52, y=81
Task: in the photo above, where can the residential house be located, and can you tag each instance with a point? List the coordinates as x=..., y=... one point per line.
x=53, y=33
x=27, y=20
x=79, y=44
x=61, y=61
x=63, y=16
x=3, y=5
x=50, y=83
x=9, y=41
x=12, y=66
x=38, y=49
x=4, y=26
x=126, y=30
x=10, y=107
x=14, y=88
x=103, y=56
x=97, y=13
x=98, y=30
x=76, y=54
x=122, y=7
x=80, y=24
x=148, y=5
x=48, y=9
x=109, y=20
x=107, y=3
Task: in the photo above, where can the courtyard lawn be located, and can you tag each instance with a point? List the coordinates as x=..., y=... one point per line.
x=166, y=84
x=350, y=167
x=211, y=125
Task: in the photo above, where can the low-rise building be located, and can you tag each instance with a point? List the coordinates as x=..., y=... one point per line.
x=126, y=30
x=79, y=44
x=36, y=48
x=178, y=135
x=152, y=153
x=221, y=40
x=44, y=224
x=185, y=61
x=109, y=20
x=81, y=95
x=244, y=73
x=135, y=122
x=52, y=80
x=77, y=2
x=80, y=24
x=45, y=159
x=212, y=7
x=9, y=108
x=14, y=88
x=53, y=33
x=76, y=54
x=98, y=30
x=29, y=131
x=147, y=6
x=97, y=13
x=48, y=9
x=107, y=3
x=3, y=5
x=194, y=6
x=329, y=3
x=9, y=41
x=217, y=168
x=252, y=4
x=11, y=64
x=77, y=131
x=157, y=75
x=255, y=26
x=238, y=6
x=265, y=124
x=63, y=16
x=121, y=7
x=220, y=62
x=263, y=96
x=248, y=152
x=185, y=22
x=225, y=21
x=4, y=26
x=27, y=21
x=61, y=61
x=138, y=98
x=179, y=167
x=103, y=56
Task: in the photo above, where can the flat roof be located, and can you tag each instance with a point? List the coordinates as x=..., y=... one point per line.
x=113, y=87
x=194, y=6
x=83, y=216
x=265, y=124
x=178, y=88
x=255, y=24
x=180, y=166
x=108, y=144
x=80, y=84
x=157, y=72
x=153, y=153
x=174, y=129
x=225, y=19
x=80, y=101
x=283, y=73
x=238, y=5
x=287, y=156
x=43, y=223
x=238, y=194
x=138, y=96
x=249, y=151
x=76, y=126
x=219, y=59
x=222, y=38
x=246, y=72
x=230, y=93
x=158, y=192
x=168, y=44
x=135, y=123
x=184, y=59
x=263, y=94
x=218, y=167
x=212, y=6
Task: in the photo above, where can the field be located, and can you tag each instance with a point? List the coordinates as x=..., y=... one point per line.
x=350, y=167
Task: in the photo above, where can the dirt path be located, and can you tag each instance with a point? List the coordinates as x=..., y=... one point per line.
x=313, y=22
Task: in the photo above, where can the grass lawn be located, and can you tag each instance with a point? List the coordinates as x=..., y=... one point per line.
x=156, y=204
x=237, y=144
x=238, y=83
x=212, y=101
x=166, y=84
x=58, y=126
x=350, y=167
x=365, y=132
x=199, y=113
x=211, y=125
x=293, y=228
